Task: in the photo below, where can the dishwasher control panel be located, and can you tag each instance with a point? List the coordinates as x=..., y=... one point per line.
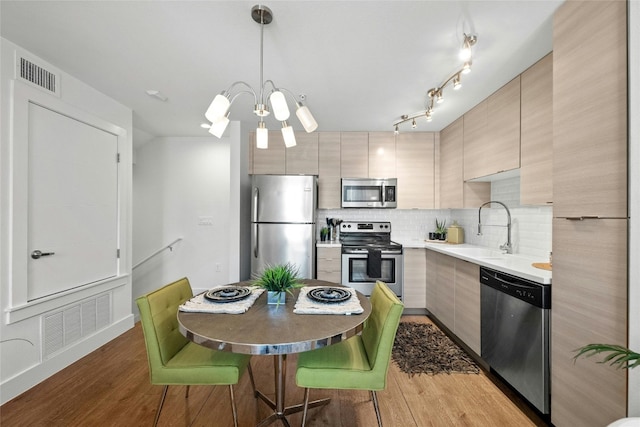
x=536, y=294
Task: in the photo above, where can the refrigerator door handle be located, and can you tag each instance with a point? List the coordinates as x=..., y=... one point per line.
x=255, y=233
x=256, y=196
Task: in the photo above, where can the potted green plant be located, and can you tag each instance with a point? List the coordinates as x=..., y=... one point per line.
x=324, y=234
x=278, y=280
x=441, y=229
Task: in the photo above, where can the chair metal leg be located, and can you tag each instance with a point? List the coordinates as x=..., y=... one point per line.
x=306, y=406
x=164, y=394
x=374, y=397
x=253, y=383
x=233, y=406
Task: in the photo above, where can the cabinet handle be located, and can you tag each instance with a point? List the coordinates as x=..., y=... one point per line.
x=582, y=218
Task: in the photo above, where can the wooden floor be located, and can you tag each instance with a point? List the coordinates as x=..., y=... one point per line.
x=110, y=387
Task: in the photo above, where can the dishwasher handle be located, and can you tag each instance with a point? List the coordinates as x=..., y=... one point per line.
x=533, y=293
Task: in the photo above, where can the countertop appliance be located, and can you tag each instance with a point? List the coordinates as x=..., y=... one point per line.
x=369, y=254
x=283, y=228
x=369, y=193
x=515, y=333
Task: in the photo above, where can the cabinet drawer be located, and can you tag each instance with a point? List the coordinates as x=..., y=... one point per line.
x=330, y=276
x=329, y=265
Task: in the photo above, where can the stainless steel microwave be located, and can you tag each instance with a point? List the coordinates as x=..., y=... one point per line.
x=369, y=193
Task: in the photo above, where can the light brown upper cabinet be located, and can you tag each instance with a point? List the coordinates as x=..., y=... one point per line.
x=354, y=155
x=415, y=170
x=382, y=155
x=329, y=170
x=590, y=136
x=492, y=133
x=454, y=192
x=536, y=133
x=503, y=126
x=302, y=159
x=476, y=141
x=271, y=160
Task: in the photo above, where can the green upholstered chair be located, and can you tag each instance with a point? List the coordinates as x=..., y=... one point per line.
x=173, y=359
x=360, y=362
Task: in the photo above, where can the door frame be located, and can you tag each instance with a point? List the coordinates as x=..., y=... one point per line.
x=18, y=307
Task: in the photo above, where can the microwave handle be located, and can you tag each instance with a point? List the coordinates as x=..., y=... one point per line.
x=383, y=195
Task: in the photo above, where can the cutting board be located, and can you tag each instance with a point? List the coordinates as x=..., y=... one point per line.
x=542, y=265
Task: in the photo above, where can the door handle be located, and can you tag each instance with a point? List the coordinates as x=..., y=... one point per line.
x=37, y=254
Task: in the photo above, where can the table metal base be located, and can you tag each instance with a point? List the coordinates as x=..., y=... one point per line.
x=279, y=410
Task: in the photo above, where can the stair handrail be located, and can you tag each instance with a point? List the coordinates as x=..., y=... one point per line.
x=169, y=246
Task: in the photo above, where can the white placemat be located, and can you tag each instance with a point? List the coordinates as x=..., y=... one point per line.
x=306, y=305
x=199, y=304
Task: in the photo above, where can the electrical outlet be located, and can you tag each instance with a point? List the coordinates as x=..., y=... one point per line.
x=205, y=220
x=218, y=267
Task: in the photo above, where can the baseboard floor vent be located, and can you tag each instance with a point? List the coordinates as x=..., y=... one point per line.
x=64, y=327
x=45, y=78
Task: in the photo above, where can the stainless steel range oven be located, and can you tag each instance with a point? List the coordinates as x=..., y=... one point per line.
x=368, y=254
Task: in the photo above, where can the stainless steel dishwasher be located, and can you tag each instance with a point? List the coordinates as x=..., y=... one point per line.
x=515, y=333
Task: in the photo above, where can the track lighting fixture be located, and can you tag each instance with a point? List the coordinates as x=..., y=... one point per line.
x=435, y=95
x=218, y=111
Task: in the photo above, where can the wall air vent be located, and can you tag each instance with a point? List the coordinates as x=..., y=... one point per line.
x=36, y=75
x=70, y=324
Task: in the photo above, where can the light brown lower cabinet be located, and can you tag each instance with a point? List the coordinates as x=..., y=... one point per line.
x=453, y=296
x=445, y=289
x=415, y=278
x=588, y=305
x=329, y=264
x=467, y=304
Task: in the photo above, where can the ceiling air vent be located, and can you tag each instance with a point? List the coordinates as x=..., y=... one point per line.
x=38, y=76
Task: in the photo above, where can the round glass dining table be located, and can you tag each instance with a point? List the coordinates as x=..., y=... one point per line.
x=267, y=329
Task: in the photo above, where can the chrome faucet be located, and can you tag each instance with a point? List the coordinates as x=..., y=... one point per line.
x=507, y=246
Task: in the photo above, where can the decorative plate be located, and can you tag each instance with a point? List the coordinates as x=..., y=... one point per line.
x=228, y=294
x=329, y=295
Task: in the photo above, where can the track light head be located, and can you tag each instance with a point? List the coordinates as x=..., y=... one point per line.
x=456, y=82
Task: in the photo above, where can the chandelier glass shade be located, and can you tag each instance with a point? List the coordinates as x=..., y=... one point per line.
x=269, y=95
x=435, y=95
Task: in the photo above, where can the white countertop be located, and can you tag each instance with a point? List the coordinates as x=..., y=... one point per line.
x=517, y=265
x=327, y=244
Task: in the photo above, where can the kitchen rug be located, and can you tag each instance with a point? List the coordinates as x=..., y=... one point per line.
x=422, y=348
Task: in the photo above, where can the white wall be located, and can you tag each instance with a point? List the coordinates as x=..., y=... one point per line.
x=179, y=183
x=23, y=360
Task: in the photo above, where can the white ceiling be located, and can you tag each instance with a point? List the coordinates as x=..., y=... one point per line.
x=361, y=64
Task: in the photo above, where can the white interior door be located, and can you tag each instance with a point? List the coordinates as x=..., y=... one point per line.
x=73, y=203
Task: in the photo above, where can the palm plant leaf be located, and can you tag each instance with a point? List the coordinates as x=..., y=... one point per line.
x=618, y=356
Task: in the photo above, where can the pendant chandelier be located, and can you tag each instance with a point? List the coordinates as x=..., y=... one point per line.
x=218, y=111
x=434, y=95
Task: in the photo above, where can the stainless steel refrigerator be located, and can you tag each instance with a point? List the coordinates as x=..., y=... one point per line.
x=283, y=223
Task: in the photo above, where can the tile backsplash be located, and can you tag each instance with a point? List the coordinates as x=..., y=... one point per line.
x=530, y=225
